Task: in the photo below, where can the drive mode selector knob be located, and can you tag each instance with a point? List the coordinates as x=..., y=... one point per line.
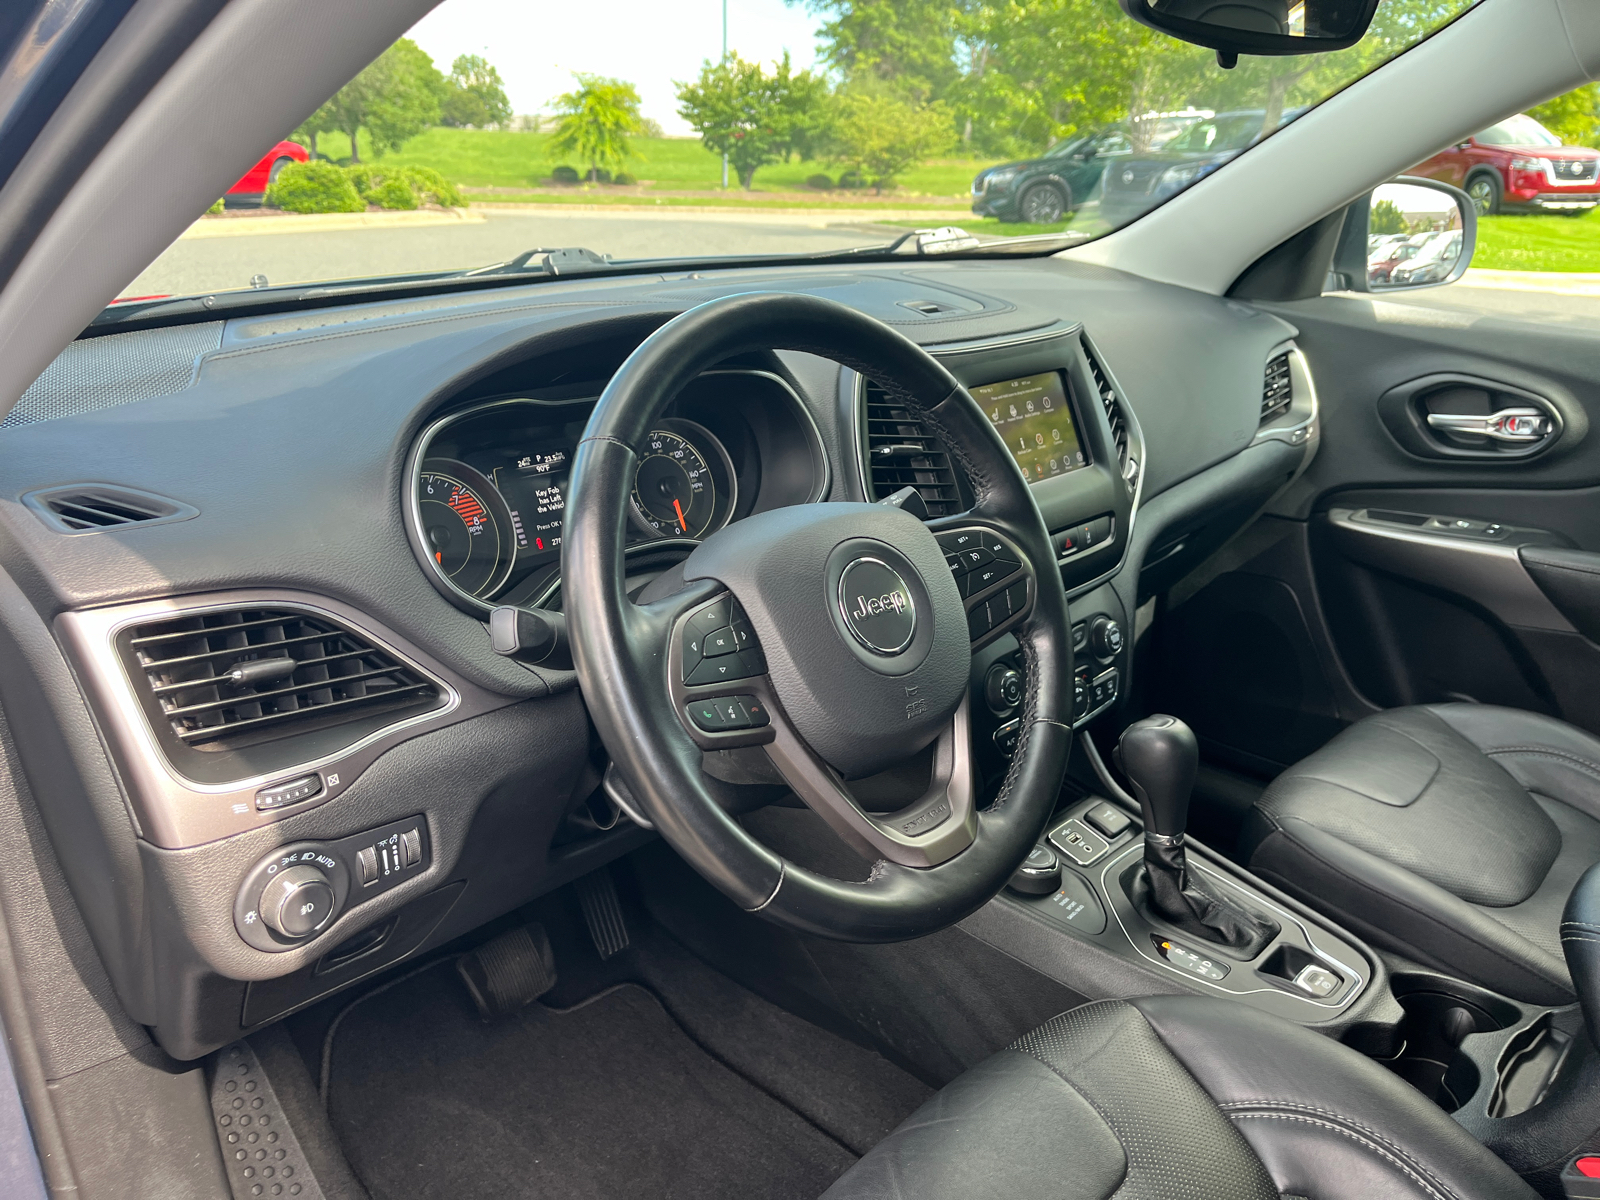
x=297, y=902
x=1105, y=637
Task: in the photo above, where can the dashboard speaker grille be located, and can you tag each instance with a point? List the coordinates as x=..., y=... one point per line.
x=901, y=453
x=1127, y=465
x=247, y=675
x=1278, y=390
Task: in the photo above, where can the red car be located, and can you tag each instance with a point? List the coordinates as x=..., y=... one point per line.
x=1519, y=165
x=258, y=177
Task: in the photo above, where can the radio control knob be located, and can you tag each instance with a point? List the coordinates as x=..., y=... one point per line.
x=1105, y=637
x=297, y=902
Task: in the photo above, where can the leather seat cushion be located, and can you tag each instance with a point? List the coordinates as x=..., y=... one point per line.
x=1450, y=833
x=1177, y=1096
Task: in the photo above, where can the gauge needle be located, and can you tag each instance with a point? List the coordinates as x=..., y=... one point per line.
x=682, y=524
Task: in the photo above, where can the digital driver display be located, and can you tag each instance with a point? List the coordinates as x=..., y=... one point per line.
x=1035, y=421
x=535, y=489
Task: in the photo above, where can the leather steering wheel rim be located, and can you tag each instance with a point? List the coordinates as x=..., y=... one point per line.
x=622, y=650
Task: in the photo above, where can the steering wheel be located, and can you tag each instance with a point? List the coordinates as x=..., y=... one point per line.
x=834, y=636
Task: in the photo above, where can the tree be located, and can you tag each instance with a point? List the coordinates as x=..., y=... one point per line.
x=394, y=98
x=596, y=122
x=1386, y=217
x=910, y=44
x=474, y=94
x=738, y=109
x=882, y=135
x=1574, y=116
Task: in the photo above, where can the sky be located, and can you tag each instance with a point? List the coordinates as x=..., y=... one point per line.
x=538, y=44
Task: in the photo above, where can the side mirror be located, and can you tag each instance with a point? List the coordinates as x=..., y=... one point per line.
x=1235, y=27
x=1407, y=233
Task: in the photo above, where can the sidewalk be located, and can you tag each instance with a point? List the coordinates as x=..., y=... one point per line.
x=273, y=221
x=1566, y=283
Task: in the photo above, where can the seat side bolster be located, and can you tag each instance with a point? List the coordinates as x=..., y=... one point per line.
x=1396, y=909
x=1316, y=1112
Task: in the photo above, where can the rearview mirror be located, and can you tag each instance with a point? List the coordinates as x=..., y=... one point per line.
x=1235, y=27
x=1407, y=233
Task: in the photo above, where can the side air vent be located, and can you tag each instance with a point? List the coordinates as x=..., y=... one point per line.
x=1127, y=464
x=901, y=453
x=239, y=677
x=93, y=507
x=1278, y=391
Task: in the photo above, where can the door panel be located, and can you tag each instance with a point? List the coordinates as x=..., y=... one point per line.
x=1410, y=580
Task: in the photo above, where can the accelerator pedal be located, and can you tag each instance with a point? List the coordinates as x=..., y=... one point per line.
x=262, y=1154
x=602, y=910
x=510, y=971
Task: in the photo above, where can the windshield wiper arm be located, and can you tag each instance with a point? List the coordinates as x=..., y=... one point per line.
x=557, y=260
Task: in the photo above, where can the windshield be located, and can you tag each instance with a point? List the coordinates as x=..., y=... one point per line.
x=517, y=138
x=1520, y=130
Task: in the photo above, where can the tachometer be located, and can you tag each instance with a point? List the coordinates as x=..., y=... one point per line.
x=466, y=527
x=684, y=483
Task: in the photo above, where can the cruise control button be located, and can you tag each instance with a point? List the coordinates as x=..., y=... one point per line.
x=1002, y=553
x=955, y=543
x=976, y=557
x=955, y=563
x=717, y=670
x=715, y=616
x=718, y=642
x=977, y=580
x=706, y=714
x=755, y=711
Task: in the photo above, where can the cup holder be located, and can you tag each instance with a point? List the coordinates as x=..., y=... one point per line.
x=1440, y=1014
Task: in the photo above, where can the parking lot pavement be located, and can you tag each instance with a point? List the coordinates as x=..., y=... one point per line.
x=213, y=263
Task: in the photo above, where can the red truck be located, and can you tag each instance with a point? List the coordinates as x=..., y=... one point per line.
x=1519, y=165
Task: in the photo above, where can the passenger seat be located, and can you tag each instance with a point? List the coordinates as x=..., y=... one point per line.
x=1450, y=833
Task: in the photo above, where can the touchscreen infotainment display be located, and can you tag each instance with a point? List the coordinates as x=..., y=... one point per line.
x=1035, y=421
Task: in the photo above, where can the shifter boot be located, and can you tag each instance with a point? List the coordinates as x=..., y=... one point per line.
x=1165, y=889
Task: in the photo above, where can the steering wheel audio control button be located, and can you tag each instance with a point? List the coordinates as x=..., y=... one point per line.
x=718, y=643
x=717, y=670
x=716, y=615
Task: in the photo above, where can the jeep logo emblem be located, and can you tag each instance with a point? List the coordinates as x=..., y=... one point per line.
x=877, y=607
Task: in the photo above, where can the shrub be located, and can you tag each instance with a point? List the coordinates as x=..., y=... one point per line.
x=851, y=179
x=623, y=179
x=394, y=192
x=598, y=175
x=216, y=207
x=314, y=187
x=564, y=175
x=429, y=184
x=820, y=182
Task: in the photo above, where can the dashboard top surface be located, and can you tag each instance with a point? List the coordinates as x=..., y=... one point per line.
x=292, y=434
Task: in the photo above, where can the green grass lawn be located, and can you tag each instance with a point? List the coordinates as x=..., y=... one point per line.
x=493, y=158
x=1539, y=243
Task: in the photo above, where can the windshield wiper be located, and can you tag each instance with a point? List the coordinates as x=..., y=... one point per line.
x=559, y=260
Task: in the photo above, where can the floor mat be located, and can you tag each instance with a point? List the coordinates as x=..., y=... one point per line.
x=609, y=1099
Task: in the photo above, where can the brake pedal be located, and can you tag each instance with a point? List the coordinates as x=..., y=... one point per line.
x=602, y=911
x=509, y=972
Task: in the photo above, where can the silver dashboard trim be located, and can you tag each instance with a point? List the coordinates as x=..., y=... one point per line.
x=174, y=811
x=1298, y=426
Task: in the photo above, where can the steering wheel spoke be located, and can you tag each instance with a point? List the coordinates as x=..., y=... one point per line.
x=934, y=828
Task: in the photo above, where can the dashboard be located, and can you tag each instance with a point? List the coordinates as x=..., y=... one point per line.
x=269, y=636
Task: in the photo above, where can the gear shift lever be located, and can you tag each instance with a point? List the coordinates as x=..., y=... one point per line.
x=1159, y=755
x=1580, y=942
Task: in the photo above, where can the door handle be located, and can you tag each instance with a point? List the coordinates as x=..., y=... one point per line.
x=1515, y=425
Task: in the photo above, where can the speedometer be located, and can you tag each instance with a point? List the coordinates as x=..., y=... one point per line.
x=466, y=527
x=684, y=482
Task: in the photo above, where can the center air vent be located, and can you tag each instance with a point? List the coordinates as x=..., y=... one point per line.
x=901, y=453
x=1278, y=391
x=1127, y=464
x=234, y=678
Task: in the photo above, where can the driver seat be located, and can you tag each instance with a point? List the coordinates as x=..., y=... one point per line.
x=1181, y=1097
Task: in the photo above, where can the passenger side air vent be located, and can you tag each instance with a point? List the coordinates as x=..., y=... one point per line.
x=1278, y=392
x=238, y=677
x=1127, y=464
x=901, y=453
x=92, y=507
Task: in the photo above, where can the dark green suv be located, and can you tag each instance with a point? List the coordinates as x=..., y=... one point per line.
x=1042, y=190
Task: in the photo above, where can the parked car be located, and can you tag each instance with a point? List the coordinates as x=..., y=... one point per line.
x=1433, y=261
x=1519, y=165
x=253, y=185
x=1382, y=261
x=1139, y=182
x=1042, y=190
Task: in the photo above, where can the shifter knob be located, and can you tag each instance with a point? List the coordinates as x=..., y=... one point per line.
x=1580, y=942
x=1159, y=755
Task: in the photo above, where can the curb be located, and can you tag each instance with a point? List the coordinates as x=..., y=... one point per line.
x=1569, y=283
x=324, y=223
